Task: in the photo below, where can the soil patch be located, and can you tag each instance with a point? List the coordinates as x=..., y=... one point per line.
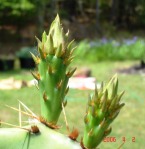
x=136, y=69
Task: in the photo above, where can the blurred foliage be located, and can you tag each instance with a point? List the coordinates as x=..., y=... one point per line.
x=109, y=49
x=12, y=11
x=120, y=13
x=25, y=52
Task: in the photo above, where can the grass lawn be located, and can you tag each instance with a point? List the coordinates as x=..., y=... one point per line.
x=130, y=123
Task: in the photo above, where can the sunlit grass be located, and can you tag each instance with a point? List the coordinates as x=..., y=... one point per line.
x=130, y=123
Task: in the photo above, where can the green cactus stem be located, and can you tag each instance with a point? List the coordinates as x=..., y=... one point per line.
x=103, y=107
x=55, y=55
x=30, y=138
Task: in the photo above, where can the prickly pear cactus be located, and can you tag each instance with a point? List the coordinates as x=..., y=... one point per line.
x=103, y=107
x=55, y=55
x=52, y=76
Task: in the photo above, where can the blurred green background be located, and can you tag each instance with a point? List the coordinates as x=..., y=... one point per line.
x=130, y=122
x=110, y=39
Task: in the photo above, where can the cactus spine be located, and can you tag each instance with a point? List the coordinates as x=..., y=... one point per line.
x=55, y=55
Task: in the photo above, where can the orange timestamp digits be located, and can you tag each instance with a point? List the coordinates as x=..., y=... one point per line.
x=109, y=139
x=124, y=139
